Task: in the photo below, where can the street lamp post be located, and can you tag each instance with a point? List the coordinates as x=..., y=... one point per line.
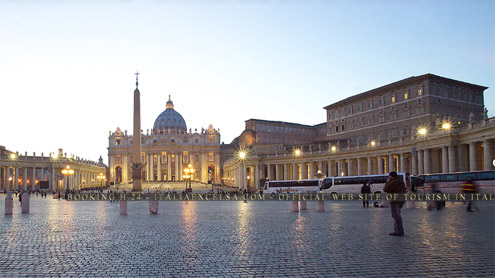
x=100, y=178
x=188, y=172
x=67, y=172
x=242, y=157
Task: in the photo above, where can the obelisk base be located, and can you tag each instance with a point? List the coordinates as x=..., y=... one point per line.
x=137, y=183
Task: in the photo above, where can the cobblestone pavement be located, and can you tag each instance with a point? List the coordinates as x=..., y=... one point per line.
x=234, y=239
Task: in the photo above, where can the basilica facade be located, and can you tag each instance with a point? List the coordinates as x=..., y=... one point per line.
x=168, y=149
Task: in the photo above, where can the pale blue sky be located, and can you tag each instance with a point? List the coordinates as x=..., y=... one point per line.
x=67, y=67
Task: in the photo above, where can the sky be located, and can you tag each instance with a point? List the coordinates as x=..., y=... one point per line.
x=67, y=67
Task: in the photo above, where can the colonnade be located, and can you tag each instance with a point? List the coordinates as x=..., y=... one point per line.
x=475, y=155
x=169, y=166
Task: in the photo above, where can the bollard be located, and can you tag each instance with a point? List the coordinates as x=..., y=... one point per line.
x=304, y=205
x=153, y=207
x=294, y=206
x=123, y=207
x=320, y=205
x=25, y=202
x=9, y=204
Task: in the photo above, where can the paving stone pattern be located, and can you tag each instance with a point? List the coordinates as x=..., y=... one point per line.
x=235, y=239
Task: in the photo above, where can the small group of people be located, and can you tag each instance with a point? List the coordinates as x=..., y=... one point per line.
x=395, y=184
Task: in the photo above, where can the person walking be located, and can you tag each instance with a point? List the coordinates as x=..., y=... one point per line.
x=395, y=184
x=366, y=189
x=470, y=188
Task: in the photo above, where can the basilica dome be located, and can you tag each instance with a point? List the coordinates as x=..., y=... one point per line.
x=170, y=119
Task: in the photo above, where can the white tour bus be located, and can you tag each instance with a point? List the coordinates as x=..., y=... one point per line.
x=352, y=184
x=453, y=182
x=292, y=186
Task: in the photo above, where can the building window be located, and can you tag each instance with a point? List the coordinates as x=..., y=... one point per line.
x=380, y=101
x=419, y=109
x=143, y=158
x=210, y=157
x=350, y=110
x=420, y=91
x=360, y=108
x=370, y=104
x=117, y=142
x=155, y=159
x=342, y=127
x=164, y=157
x=185, y=157
x=406, y=95
x=336, y=128
x=196, y=141
x=336, y=114
x=393, y=99
x=330, y=115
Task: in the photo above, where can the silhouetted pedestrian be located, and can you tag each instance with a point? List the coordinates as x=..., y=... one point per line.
x=396, y=185
x=365, y=189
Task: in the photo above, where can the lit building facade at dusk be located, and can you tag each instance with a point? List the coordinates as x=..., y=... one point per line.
x=422, y=124
x=167, y=150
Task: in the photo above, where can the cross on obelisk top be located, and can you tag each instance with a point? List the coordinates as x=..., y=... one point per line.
x=137, y=74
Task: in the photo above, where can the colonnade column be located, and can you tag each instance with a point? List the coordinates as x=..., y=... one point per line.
x=311, y=170
x=445, y=159
x=256, y=177
x=286, y=171
x=421, y=162
x=427, y=161
x=169, y=167
x=24, y=179
x=359, y=166
x=159, y=167
x=295, y=173
x=269, y=171
x=391, y=164
x=16, y=178
x=473, y=163
x=176, y=167
x=461, y=152
x=33, y=180
x=487, y=155
x=330, y=169
x=304, y=171
x=370, y=166
x=7, y=176
x=152, y=174
x=414, y=162
x=52, y=180
x=277, y=172
x=320, y=167
x=402, y=162
x=339, y=168
x=380, y=164
x=452, y=159
x=348, y=167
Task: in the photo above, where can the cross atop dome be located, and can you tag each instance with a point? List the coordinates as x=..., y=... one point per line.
x=137, y=74
x=170, y=104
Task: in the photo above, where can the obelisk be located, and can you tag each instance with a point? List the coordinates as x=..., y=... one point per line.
x=137, y=185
